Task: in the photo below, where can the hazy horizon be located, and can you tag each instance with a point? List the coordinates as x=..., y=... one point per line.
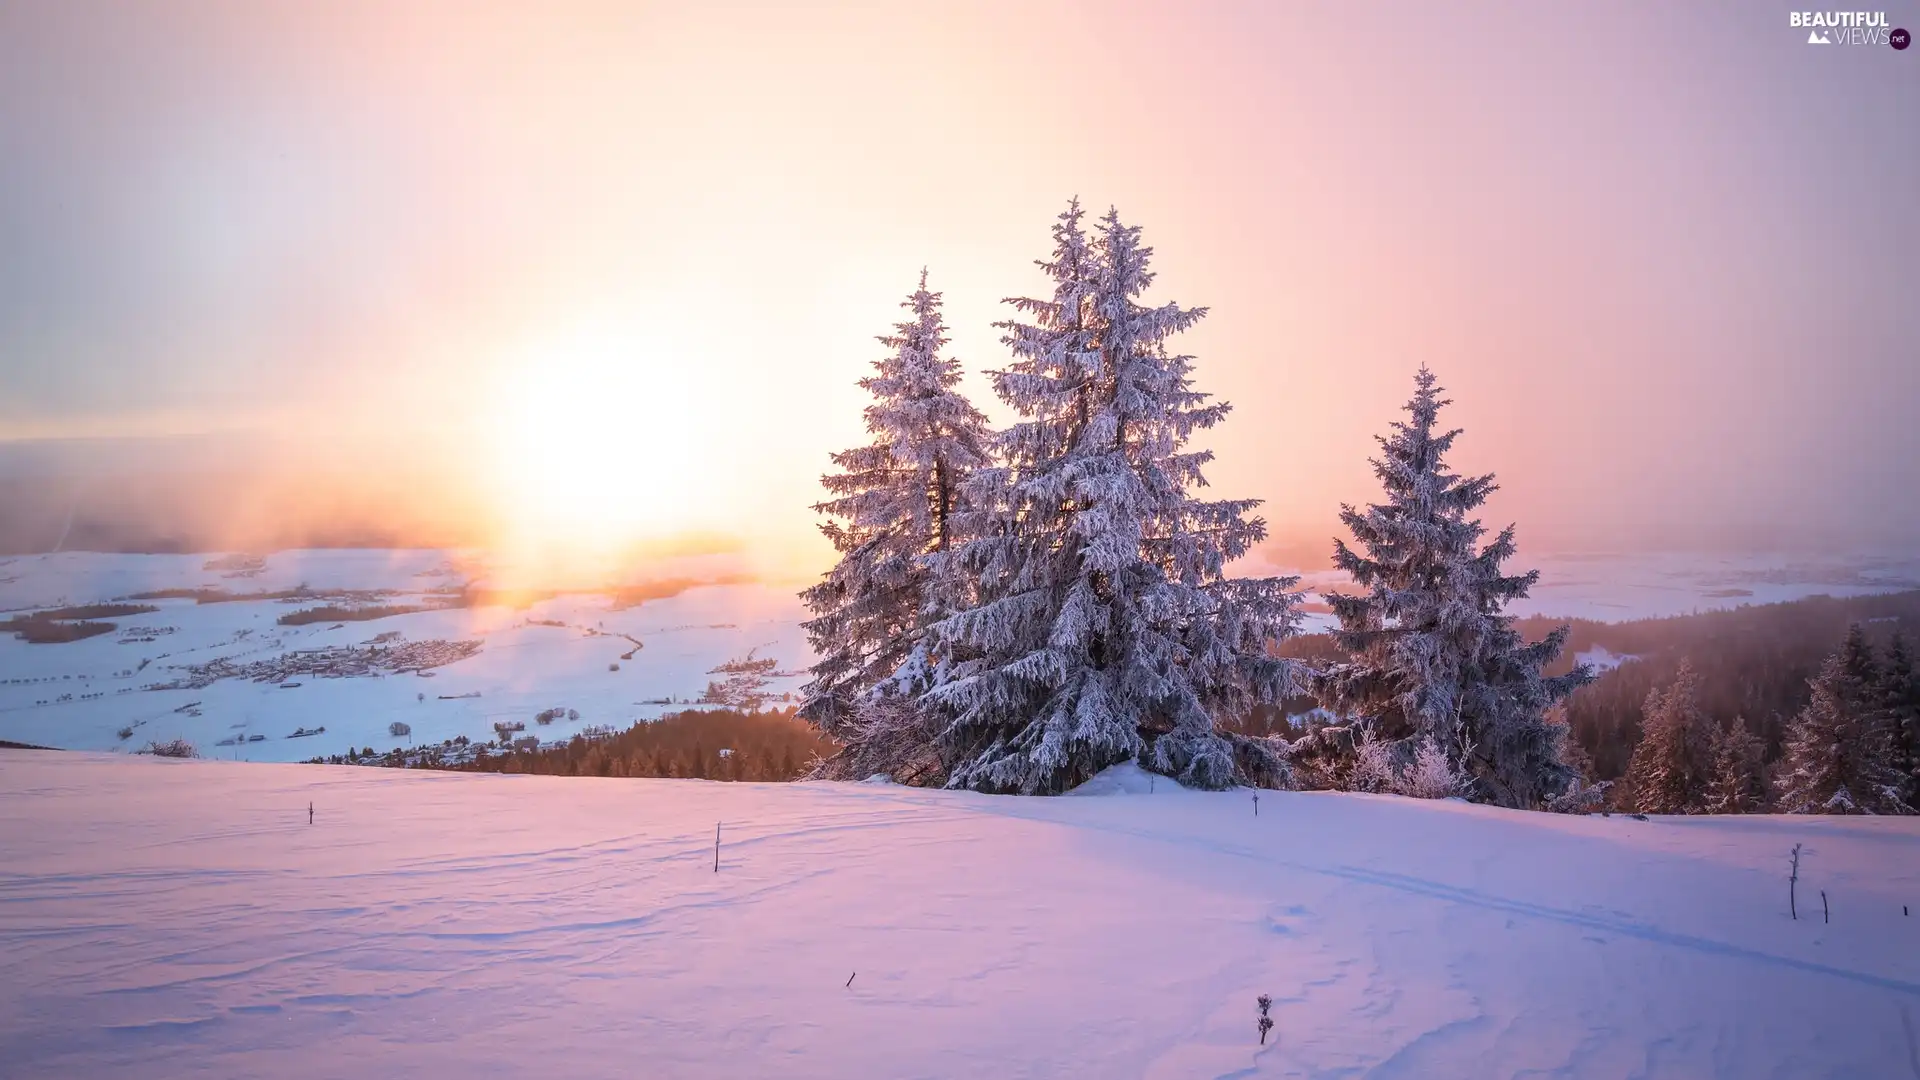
x=601, y=272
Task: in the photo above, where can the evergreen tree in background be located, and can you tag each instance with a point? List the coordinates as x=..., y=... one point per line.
x=1899, y=693
x=1573, y=755
x=1841, y=752
x=1434, y=654
x=1673, y=765
x=896, y=501
x=1105, y=628
x=1738, y=781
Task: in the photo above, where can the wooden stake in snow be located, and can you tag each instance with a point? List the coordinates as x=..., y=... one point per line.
x=850, y=978
x=309, y=813
x=1792, y=880
x=716, y=847
x=1826, y=916
x=1256, y=804
x=1266, y=1022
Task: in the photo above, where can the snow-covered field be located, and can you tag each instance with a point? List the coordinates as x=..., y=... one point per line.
x=553, y=653
x=83, y=694
x=170, y=919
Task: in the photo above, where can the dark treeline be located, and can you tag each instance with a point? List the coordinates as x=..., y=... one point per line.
x=66, y=624
x=710, y=744
x=332, y=613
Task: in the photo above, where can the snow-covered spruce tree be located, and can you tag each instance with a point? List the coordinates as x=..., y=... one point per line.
x=1672, y=764
x=1105, y=628
x=1737, y=784
x=1434, y=654
x=895, y=502
x=1839, y=753
x=1899, y=692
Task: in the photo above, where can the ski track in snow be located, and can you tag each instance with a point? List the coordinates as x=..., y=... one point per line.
x=167, y=919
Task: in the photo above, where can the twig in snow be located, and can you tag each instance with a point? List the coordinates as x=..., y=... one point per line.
x=850, y=978
x=1256, y=804
x=1793, y=879
x=1266, y=1022
x=1826, y=915
x=716, y=847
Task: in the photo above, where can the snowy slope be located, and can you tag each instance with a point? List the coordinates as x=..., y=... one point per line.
x=167, y=919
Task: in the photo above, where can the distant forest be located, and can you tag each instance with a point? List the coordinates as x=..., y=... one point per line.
x=1753, y=662
x=704, y=744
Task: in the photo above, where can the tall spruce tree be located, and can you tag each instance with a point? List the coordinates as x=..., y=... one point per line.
x=1434, y=654
x=1673, y=764
x=895, y=502
x=1105, y=628
x=1840, y=755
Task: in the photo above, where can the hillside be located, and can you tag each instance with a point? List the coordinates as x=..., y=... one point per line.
x=166, y=919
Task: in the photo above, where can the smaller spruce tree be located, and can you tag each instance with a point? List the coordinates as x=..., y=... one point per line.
x=1737, y=782
x=1673, y=763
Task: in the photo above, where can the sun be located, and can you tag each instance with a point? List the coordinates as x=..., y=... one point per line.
x=597, y=440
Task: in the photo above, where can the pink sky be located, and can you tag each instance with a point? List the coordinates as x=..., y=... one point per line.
x=1665, y=259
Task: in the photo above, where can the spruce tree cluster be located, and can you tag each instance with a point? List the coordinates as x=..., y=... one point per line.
x=1066, y=606
x=1016, y=610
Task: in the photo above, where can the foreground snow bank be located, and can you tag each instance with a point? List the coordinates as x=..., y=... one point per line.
x=178, y=918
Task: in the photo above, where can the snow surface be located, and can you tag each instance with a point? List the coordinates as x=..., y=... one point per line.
x=167, y=919
x=523, y=666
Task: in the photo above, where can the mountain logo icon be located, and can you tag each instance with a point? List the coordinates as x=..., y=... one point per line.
x=1815, y=37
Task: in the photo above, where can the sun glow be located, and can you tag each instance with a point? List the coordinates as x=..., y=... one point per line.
x=598, y=443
